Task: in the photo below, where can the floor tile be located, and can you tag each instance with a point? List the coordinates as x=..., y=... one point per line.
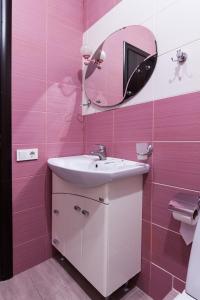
x=47, y=279
x=172, y=294
x=50, y=281
x=136, y=294
x=19, y=287
x=71, y=292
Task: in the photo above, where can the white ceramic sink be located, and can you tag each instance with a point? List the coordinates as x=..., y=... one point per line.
x=88, y=171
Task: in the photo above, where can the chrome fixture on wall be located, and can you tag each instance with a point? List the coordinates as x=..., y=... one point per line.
x=87, y=104
x=86, y=52
x=181, y=57
x=143, y=150
x=185, y=204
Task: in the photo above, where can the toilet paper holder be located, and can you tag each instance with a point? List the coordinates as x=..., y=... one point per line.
x=184, y=204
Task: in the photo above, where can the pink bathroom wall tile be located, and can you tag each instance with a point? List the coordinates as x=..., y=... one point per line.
x=28, y=192
x=143, y=281
x=62, y=68
x=170, y=252
x=24, y=16
x=48, y=187
x=30, y=254
x=69, y=13
x=65, y=127
x=62, y=97
x=99, y=127
x=28, y=127
x=65, y=37
x=178, y=285
x=28, y=94
x=160, y=283
x=32, y=167
x=146, y=240
x=29, y=225
x=94, y=10
x=146, y=201
x=64, y=149
x=28, y=59
x=177, y=118
x=176, y=164
x=133, y=123
x=125, y=150
x=160, y=199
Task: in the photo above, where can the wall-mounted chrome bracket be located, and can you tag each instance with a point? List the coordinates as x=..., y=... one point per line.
x=143, y=150
x=181, y=57
x=87, y=104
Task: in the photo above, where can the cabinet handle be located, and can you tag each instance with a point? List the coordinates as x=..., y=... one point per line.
x=56, y=211
x=85, y=213
x=55, y=241
x=77, y=208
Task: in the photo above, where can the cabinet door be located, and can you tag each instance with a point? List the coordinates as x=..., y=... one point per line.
x=58, y=217
x=94, y=257
x=73, y=228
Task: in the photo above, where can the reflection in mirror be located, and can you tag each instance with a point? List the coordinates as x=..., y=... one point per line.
x=130, y=56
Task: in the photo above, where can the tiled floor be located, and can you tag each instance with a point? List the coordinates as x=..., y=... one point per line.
x=171, y=295
x=50, y=281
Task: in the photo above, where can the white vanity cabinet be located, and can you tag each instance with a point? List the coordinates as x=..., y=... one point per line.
x=99, y=230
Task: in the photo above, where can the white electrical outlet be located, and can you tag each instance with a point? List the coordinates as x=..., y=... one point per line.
x=27, y=154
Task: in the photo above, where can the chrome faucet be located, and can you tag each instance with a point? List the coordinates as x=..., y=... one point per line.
x=101, y=152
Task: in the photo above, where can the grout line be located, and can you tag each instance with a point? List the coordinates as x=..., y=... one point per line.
x=178, y=47
x=148, y=140
x=32, y=240
x=46, y=115
x=50, y=143
x=160, y=10
x=172, y=282
x=162, y=141
x=40, y=174
x=30, y=176
x=113, y=129
x=175, y=187
x=151, y=191
x=25, y=110
x=167, y=229
x=178, y=279
x=28, y=209
x=154, y=264
x=35, y=287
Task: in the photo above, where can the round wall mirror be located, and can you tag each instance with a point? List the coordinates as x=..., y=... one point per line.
x=121, y=66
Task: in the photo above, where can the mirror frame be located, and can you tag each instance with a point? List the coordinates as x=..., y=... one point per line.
x=134, y=73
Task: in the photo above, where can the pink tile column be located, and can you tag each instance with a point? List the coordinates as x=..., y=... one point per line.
x=46, y=97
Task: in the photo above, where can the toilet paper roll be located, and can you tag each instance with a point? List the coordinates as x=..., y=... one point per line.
x=187, y=227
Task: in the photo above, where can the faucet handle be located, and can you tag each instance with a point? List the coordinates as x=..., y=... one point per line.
x=101, y=146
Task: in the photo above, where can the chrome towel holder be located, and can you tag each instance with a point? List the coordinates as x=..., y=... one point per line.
x=181, y=57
